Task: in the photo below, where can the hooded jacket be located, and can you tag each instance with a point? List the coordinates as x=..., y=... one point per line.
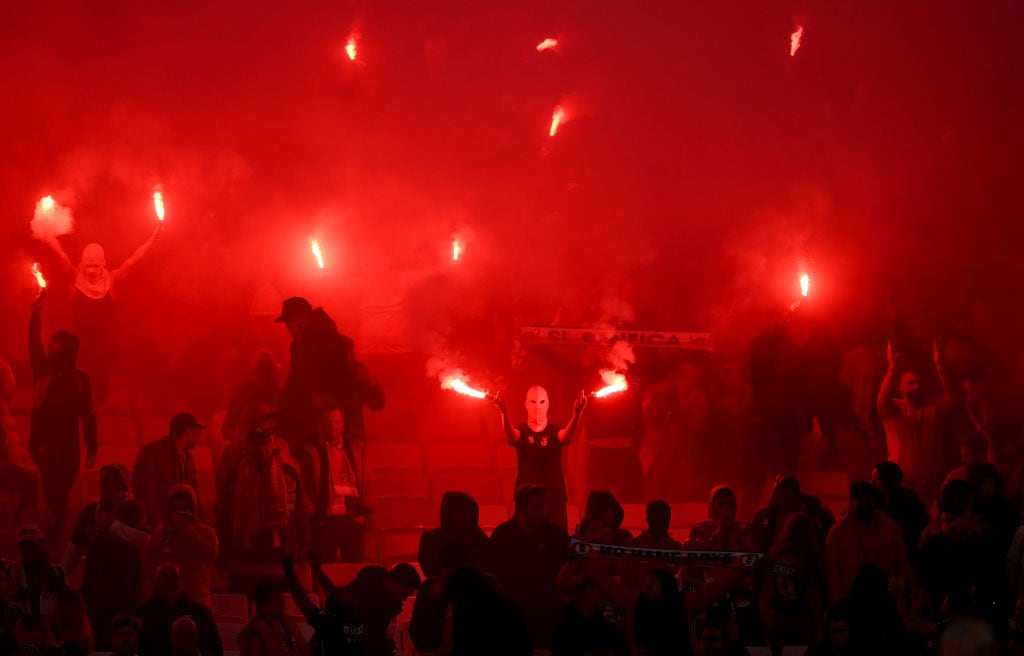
x=61, y=398
x=471, y=536
x=192, y=547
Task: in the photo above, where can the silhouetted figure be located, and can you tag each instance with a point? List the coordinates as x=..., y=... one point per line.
x=460, y=523
x=164, y=463
x=903, y=505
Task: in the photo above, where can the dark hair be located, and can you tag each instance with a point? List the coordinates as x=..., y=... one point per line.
x=985, y=471
x=955, y=496
x=265, y=590
x=405, y=575
x=975, y=442
x=123, y=620
x=863, y=491
x=659, y=506
x=527, y=492
x=890, y=473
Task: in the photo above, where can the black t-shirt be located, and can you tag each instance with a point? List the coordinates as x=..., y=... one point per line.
x=540, y=459
x=336, y=634
x=113, y=568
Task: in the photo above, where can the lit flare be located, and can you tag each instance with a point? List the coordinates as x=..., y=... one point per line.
x=795, y=39
x=456, y=384
x=158, y=205
x=351, y=48
x=614, y=383
x=40, y=280
x=314, y=247
x=46, y=204
x=557, y=118
x=547, y=44
x=456, y=250
x=805, y=284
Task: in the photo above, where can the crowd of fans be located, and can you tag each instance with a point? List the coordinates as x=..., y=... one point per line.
x=927, y=556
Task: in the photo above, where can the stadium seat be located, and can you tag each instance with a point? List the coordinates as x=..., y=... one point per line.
x=230, y=606
x=117, y=430
x=400, y=485
x=634, y=517
x=505, y=458
x=403, y=513
x=344, y=573
x=491, y=516
x=464, y=457
x=825, y=483
x=291, y=609
x=307, y=631
x=484, y=487
x=452, y=426
x=794, y=650
x=119, y=401
x=385, y=459
x=229, y=633
x=759, y=651
x=685, y=515
x=399, y=546
x=108, y=455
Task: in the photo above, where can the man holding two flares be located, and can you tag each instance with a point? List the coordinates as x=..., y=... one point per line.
x=538, y=446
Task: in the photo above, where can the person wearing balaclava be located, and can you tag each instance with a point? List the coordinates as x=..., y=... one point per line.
x=93, y=306
x=538, y=446
x=61, y=403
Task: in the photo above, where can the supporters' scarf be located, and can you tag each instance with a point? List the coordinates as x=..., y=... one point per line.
x=582, y=549
x=261, y=500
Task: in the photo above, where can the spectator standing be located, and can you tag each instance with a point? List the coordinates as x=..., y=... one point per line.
x=793, y=591
x=124, y=635
x=187, y=542
x=460, y=523
x=35, y=581
x=903, y=505
x=167, y=604
x=270, y=632
x=167, y=462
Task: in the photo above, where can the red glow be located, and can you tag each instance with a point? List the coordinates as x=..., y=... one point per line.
x=547, y=44
x=456, y=384
x=456, y=250
x=614, y=383
x=40, y=280
x=805, y=284
x=350, y=48
x=557, y=118
x=794, y=40
x=314, y=247
x=158, y=204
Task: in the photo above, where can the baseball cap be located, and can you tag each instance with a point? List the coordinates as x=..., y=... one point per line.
x=184, y=421
x=29, y=533
x=292, y=307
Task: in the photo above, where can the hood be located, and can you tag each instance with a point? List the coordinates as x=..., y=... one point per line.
x=182, y=490
x=601, y=500
x=321, y=323
x=67, y=358
x=715, y=491
x=452, y=501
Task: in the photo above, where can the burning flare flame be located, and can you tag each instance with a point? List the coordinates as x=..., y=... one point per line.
x=456, y=384
x=547, y=44
x=314, y=247
x=456, y=250
x=805, y=284
x=46, y=203
x=158, y=204
x=40, y=280
x=794, y=40
x=614, y=383
x=350, y=48
x=557, y=118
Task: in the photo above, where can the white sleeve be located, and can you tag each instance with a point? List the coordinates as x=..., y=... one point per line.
x=135, y=537
x=1016, y=551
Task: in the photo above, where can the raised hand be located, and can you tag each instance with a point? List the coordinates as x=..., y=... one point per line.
x=580, y=404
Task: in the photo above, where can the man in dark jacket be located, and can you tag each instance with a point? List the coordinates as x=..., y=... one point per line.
x=167, y=605
x=901, y=504
x=323, y=366
x=333, y=478
x=527, y=553
x=167, y=462
x=460, y=523
x=61, y=402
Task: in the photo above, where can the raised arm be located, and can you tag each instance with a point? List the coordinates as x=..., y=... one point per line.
x=295, y=587
x=36, y=353
x=54, y=244
x=139, y=253
x=886, y=393
x=511, y=432
x=566, y=433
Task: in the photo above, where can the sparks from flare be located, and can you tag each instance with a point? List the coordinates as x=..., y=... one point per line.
x=557, y=118
x=40, y=280
x=805, y=284
x=547, y=44
x=456, y=384
x=314, y=247
x=794, y=40
x=456, y=250
x=158, y=204
x=351, y=48
x=614, y=383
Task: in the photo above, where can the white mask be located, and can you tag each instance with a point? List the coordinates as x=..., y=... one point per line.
x=537, y=408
